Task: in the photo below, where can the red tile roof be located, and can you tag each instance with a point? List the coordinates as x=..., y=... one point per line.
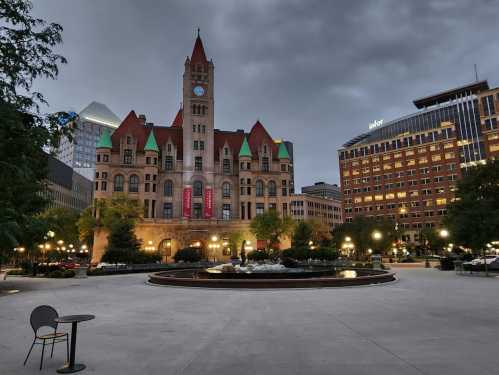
x=257, y=137
x=198, y=55
x=131, y=125
x=179, y=119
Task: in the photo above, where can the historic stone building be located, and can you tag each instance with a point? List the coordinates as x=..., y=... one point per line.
x=196, y=183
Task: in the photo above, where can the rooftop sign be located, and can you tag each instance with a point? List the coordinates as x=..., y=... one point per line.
x=375, y=124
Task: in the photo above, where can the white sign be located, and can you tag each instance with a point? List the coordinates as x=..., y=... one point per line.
x=375, y=124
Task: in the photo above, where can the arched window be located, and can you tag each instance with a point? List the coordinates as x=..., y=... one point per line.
x=226, y=190
x=259, y=188
x=133, y=185
x=197, y=190
x=118, y=182
x=272, y=189
x=168, y=190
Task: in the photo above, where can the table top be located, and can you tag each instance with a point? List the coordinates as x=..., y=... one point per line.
x=74, y=318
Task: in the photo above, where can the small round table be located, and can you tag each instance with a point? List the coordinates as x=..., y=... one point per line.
x=71, y=367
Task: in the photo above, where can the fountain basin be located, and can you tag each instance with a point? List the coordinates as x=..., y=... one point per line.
x=313, y=277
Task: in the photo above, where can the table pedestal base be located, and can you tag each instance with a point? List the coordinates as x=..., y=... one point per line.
x=66, y=369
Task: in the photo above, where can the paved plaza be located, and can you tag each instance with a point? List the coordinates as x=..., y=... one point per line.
x=429, y=322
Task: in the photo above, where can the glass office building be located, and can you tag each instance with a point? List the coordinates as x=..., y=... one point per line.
x=80, y=154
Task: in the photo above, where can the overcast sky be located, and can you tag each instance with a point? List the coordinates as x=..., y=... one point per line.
x=314, y=72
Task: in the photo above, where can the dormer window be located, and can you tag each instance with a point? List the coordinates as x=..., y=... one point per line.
x=265, y=164
x=169, y=147
x=226, y=151
x=127, y=156
x=264, y=149
x=128, y=140
x=226, y=167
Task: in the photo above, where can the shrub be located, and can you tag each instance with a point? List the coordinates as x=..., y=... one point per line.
x=16, y=272
x=289, y=262
x=57, y=274
x=408, y=260
x=324, y=253
x=188, y=254
x=258, y=255
x=299, y=253
x=46, y=269
x=68, y=273
x=143, y=257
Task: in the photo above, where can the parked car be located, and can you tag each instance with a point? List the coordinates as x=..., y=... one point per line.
x=110, y=265
x=68, y=265
x=488, y=258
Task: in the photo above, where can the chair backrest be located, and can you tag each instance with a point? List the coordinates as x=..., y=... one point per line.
x=43, y=316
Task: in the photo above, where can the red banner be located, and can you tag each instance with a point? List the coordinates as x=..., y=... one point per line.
x=186, y=201
x=208, y=203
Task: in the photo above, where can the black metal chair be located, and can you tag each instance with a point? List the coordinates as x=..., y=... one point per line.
x=43, y=316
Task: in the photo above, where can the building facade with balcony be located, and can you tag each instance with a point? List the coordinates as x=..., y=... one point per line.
x=407, y=169
x=195, y=182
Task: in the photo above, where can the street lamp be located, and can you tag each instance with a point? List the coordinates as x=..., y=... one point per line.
x=444, y=233
x=377, y=235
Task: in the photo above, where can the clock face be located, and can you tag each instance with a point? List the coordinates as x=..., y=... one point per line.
x=198, y=91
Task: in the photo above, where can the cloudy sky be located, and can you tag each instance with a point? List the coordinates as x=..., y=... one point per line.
x=314, y=72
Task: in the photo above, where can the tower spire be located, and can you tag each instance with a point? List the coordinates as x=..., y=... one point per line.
x=198, y=32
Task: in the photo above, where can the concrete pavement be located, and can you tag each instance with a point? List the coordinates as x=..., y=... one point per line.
x=430, y=322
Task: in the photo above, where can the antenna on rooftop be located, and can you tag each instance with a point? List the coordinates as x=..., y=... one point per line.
x=476, y=73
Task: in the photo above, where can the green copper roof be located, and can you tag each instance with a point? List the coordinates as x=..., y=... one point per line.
x=245, y=149
x=151, y=144
x=105, y=140
x=283, y=151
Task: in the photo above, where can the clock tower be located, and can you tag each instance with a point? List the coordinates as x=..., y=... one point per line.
x=198, y=135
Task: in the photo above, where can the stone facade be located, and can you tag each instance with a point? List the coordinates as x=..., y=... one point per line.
x=194, y=181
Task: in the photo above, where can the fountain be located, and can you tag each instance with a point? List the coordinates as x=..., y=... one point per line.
x=271, y=276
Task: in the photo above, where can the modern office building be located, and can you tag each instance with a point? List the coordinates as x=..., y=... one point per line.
x=196, y=183
x=88, y=127
x=326, y=210
x=66, y=188
x=406, y=169
x=324, y=190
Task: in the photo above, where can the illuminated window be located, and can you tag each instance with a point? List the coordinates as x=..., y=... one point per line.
x=449, y=155
x=398, y=164
x=346, y=173
x=378, y=197
x=436, y=158
x=448, y=145
x=376, y=168
x=387, y=166
x=409, y=153
x=397, y=155
x=386, y=157
x=414, y=193
x=494, y=148
x=365, y=161
x=441, y=201
x=433, y=148
x=411, y=162
x=368, y=198
x=401, y=194
x=423, y=160
x=357, y=200
x=390, y=196
x=421, y=150
x=375, y=159
x=355, y=172
x=492, y=137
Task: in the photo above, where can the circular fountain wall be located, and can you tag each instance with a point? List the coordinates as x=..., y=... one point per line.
x=271, y=276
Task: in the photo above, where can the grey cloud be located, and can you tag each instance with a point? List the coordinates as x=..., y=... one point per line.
x=314, y=72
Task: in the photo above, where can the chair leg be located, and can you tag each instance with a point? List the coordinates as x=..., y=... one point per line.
x=67, y=347
x=52, y=351
x=29, y=352
x=43, y=352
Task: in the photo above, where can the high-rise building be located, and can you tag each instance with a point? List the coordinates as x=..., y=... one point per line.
x=324, y=190
x=406, y=169
x=88, y=127
x=197, y=184
x=66, y=188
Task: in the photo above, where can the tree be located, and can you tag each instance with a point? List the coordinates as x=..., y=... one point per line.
x=123, y=246
x=270, y=227
x=119, y=209
x=431, y=239
x=63, y=221
x=361, y=230
x=235, y=241
x=302, y=234
x=473, y=217
x=321, y=235
x=86, y=226
x=26, y=54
